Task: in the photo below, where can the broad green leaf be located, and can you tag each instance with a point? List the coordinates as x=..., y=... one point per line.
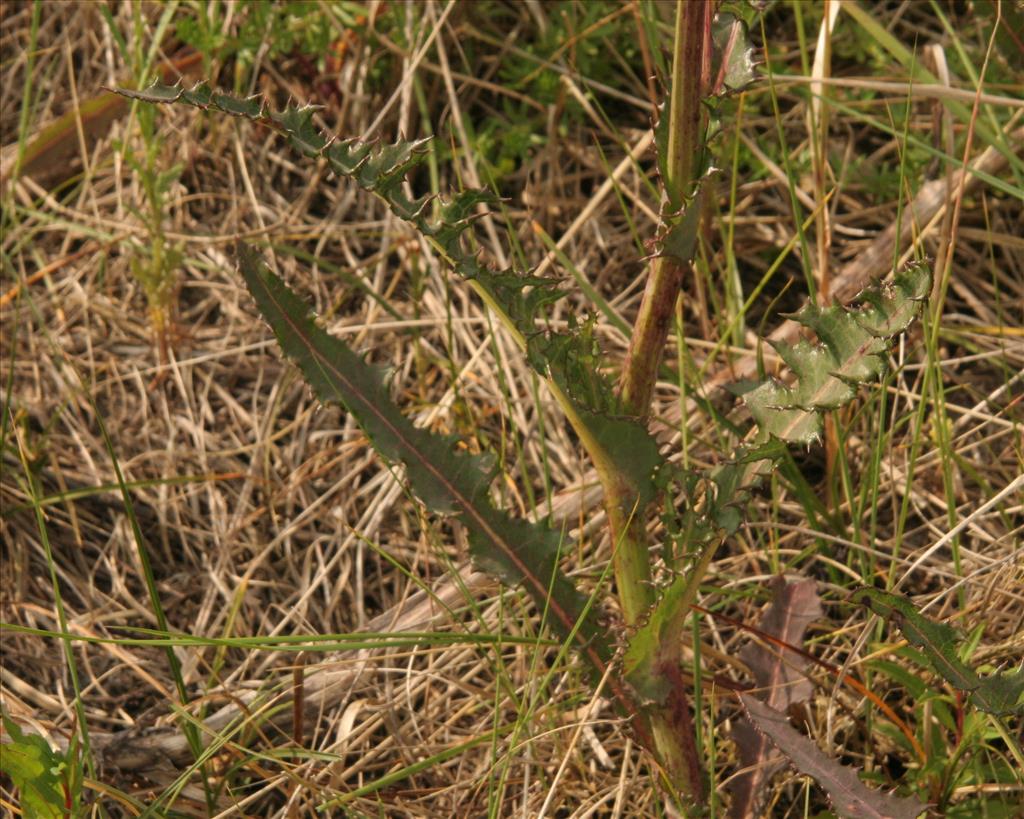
x=446, y=479
x=997, y=694
x=615, y=443
x=38, y=772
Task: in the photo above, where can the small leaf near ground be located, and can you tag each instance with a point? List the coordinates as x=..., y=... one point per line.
x=849, y=796
x=998, y=694
x=733, y=67
x=781, y=682
x=1001, y=694
x=40, y=774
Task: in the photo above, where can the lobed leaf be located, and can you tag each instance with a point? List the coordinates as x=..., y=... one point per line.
x=621, y=444
x=852, y=349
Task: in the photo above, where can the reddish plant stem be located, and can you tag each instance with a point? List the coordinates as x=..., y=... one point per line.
x=690, y=70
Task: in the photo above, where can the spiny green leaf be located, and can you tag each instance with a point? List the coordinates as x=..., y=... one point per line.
x=997, y=694
x=382, y=170
x=852, y=349
x=571, y=360
x=937, y=640
x=447, y=480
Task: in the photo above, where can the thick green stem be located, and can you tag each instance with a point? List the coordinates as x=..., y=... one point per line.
x=686, y=135
x=631, y=560
x=669, y=723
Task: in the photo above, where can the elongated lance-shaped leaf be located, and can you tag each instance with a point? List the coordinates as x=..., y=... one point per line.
x=617, y=444
x=997, y=694
x=449, y=481
x=781, y=682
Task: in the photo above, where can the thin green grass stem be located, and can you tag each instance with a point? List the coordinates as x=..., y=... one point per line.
x=62, y=618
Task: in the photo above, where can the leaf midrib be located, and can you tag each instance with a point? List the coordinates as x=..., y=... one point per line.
x=331, y=371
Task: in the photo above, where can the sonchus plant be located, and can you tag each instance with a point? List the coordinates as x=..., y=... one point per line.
x=609, y=419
